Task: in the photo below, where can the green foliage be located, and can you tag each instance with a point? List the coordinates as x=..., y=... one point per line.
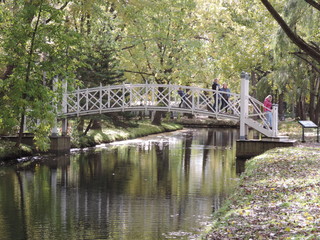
x=160, y=44
x=187, y=42
x=9, y=152
x=99, y=51
x=33, y=52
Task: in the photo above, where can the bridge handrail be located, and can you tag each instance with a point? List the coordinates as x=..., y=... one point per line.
x=165, y=97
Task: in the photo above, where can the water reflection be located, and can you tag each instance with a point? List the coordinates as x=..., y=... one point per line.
x=159, y=187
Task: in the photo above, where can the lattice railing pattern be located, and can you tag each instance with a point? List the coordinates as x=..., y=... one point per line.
x=128, y=97
x=161, y=97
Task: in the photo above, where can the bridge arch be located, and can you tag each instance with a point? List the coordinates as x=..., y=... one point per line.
x=165, y=97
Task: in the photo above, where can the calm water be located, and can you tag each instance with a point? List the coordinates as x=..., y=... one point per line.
x=161, y=187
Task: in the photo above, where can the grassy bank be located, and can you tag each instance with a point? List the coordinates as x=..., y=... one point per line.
x=278, y=198
x=111, y=133
x=8, y=151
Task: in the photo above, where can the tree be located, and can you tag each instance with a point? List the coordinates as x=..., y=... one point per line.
x=36, y=48
x=301, y=20
x=98, y=24
x=310, y=49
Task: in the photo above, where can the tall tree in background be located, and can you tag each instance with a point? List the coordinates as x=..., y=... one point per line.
x=35, y=48
x=310, y=49
x=97, y=23
x=300, y=23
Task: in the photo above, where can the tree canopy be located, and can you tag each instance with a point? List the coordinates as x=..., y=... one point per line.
x=46, y=43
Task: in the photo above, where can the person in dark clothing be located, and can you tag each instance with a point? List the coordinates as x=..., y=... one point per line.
x=182, y=95
x=215, y=86
x=225, y=96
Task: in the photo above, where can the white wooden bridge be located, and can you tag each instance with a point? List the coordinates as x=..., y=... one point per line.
x=158, y=97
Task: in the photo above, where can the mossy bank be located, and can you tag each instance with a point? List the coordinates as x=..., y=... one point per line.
x=109, y=132
x=130, y=130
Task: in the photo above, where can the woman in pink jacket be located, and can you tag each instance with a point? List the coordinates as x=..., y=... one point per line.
x=267, y=106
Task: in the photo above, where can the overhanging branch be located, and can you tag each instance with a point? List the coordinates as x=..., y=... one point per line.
x=300, y=55
x=313, y=4
x=296, y=39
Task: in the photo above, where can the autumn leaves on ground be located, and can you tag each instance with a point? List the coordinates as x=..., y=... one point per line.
x=278, y=198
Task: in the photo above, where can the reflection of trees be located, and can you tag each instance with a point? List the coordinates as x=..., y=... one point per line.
x=187, y=154
x=12, y=206
x=162, y=155
x=107, y=192
x=182, y=201
x=206, y=148
x=22, y=206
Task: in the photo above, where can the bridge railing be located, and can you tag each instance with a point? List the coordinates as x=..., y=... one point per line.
x=128, y=97
x=256, y=112
x=165, y=97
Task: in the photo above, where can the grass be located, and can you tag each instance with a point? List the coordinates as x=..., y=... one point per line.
x=293, y=129
x=9, y=151
x=278, y=196
x=111, y=133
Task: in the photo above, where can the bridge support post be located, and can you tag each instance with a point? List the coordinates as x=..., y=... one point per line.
x=274, y=120
x=64, y=127
x=54, y=130
x=244, y=99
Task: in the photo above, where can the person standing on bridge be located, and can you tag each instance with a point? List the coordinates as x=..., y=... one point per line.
x=215, y=87
x=183, y=97
x=225, y=96
x=267, y=106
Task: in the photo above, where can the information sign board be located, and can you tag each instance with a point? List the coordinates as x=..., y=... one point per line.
x=308, y=124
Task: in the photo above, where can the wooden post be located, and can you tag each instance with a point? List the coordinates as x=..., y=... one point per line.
x=54, y=130
x=64, y=127
x=274, y=120
x=244, y=104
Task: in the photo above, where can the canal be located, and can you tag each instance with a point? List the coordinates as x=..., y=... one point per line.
x=164, y=186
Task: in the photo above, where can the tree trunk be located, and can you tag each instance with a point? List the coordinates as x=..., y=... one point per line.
x=301, y=109
x=310, y=50
x=28, y=71
x=281, y=108
x=157, y=118
x=19, y=140
x=317, y=106
x=312, y=98
x=96, y=124
x=254, y=84
x=317, y=111
x=88, y=127
x=80, y=125
x=158, y=114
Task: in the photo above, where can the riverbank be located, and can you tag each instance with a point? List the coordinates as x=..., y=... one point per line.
x=8, y=151
x=278, y=195
x=108, y=133
x=123, y=130
x=111, y=133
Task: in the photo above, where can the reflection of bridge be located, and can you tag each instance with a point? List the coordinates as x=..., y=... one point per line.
x=157, y=97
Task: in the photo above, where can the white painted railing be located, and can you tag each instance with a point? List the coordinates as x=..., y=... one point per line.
x=161, y=97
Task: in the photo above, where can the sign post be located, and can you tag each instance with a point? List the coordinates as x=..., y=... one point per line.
x=308, y=124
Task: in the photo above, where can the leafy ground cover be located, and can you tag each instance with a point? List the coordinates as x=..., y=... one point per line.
x=278, y=196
